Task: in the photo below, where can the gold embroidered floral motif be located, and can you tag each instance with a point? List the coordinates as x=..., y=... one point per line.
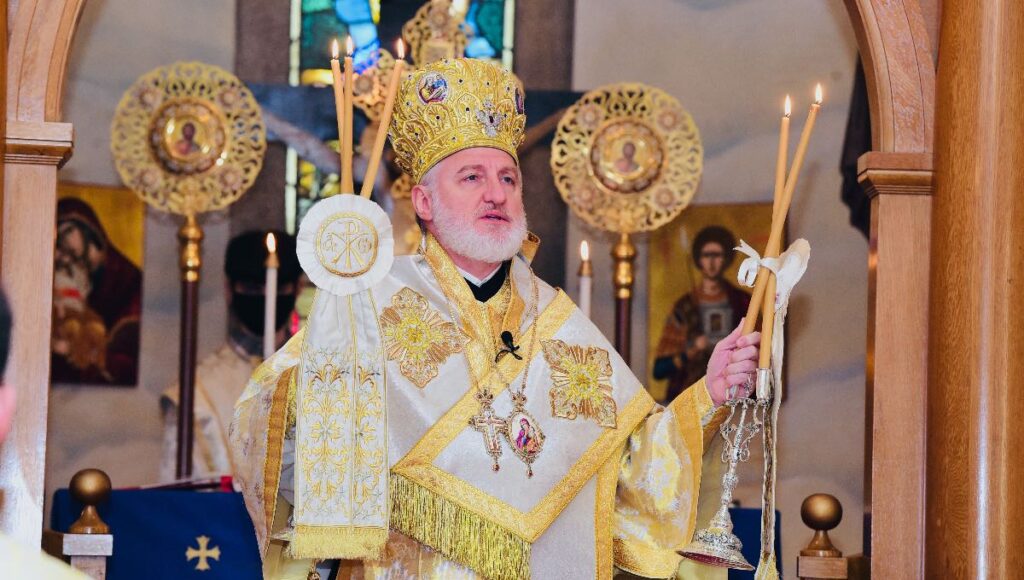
x=326, y=402
x=417, y=337
x=342, y=391
x=581, y=377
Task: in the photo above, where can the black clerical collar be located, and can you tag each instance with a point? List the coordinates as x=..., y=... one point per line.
x=488, y=289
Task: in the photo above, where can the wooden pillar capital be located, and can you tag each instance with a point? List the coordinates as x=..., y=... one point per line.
x=895, y=173
x=38, y=143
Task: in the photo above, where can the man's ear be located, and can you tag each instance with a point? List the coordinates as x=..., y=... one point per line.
x=421, y=203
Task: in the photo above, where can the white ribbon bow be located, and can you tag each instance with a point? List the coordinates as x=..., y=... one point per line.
x=747, y=274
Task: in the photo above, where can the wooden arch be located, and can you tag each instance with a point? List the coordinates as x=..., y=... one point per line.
x=896, y=40
x=899, y=66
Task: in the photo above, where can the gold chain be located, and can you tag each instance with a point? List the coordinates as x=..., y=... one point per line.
x=535, y=298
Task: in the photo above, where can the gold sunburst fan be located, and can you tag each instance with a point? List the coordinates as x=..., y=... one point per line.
x=370, y=88
x=188, y=138
x=627, y=158
x=434, y=33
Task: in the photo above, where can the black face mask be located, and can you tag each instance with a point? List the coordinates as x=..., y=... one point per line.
x=248, y=308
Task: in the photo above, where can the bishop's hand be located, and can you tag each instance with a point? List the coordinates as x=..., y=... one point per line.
x=732, y=363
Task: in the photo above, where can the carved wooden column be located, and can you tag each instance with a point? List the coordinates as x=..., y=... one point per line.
x=33, y=153
x=40, y=34
x=894, y=38
x=897, y=372
x=975, y=508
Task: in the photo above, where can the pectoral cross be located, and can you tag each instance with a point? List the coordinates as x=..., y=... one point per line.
x=490, y=426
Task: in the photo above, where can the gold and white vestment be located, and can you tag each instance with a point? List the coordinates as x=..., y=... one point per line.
x=375, y=397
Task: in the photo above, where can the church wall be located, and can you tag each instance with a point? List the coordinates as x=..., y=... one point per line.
x=119, y=429
x=730, y=63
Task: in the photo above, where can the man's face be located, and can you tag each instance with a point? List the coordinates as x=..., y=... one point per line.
x=479, y=193
x=711, y=259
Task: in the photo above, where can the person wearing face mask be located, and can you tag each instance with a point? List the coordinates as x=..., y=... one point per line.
x=221, y=376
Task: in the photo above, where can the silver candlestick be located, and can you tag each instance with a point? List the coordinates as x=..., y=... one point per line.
x=716, y=545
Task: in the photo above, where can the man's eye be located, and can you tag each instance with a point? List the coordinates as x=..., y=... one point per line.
x=509, y=180
x=471, y=177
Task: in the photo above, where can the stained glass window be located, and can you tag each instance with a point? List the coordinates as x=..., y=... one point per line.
x=485, y=29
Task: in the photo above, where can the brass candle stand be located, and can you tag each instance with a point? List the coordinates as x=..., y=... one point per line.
x=189, y=139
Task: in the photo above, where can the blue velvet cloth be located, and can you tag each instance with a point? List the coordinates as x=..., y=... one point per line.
x=154, y=531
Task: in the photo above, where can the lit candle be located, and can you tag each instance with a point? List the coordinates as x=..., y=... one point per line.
x=768, y=310
x=779, y=213
x=385, y=120
x=270, y=298
x=778, y=221
x=339, y=92
x=780, y=165
x=347, y=186
x=586, y=275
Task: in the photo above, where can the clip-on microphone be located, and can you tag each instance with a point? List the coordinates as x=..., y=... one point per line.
x=510, y=347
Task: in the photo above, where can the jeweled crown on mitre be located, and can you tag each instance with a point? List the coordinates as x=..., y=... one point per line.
x=454, y=104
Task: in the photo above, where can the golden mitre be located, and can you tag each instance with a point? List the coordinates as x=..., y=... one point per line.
x=454, y=104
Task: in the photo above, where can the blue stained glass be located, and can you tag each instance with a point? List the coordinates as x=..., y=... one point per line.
x=316, y=5
x=326, y=20
x=485, y=25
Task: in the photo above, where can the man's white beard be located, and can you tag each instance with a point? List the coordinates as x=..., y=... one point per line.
x=460, y=238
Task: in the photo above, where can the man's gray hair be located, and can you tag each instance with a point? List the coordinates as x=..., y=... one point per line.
x=429, y=179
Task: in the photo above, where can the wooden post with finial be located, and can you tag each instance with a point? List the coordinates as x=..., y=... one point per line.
x=88, y=542
x=820, y=559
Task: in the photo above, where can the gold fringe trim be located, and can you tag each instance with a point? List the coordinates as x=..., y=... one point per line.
x=456, y=532
x=766, y=569
x=338, y=542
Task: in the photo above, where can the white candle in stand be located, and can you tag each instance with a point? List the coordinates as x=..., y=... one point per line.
x=270, y=299
x=586, y=275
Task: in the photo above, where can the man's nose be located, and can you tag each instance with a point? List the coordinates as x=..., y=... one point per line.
x=494, y=192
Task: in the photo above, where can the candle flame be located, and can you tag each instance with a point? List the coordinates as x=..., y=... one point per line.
x=350, y=46
x=817, y=94
x=271, y=244
x=788, y=109
x=584, y=250
x=334, y=49
x=400, y=49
